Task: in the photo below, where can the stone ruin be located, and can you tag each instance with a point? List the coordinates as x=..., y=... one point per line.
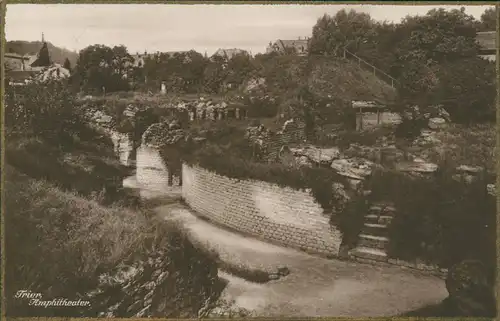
x=202, y=109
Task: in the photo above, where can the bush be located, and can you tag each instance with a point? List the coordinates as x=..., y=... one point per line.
x=350, y=220
x=82, y=166
x=43, y=109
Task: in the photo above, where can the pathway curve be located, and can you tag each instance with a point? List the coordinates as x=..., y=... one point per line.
x=315, y=286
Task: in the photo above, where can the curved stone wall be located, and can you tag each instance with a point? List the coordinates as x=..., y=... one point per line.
x=281, y=215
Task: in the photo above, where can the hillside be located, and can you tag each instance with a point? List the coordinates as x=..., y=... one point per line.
x=345, y=80
x=57, y=54
x=325, y=76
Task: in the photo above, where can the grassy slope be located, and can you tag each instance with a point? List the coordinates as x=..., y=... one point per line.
x=345, y=80
x=75, y=235
x=80, y=239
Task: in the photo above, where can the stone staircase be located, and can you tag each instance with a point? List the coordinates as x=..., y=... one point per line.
x=373, y=239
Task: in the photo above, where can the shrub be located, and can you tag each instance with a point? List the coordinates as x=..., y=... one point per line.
x=43, y=109
x=82, y=166
x=350, y=220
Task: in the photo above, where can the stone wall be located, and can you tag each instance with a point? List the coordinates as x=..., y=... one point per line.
x=280, y=215
x=293, y=132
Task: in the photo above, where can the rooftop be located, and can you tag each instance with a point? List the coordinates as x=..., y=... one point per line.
x=16, y=56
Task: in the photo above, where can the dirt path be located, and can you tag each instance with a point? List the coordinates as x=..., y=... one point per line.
x=315, y=286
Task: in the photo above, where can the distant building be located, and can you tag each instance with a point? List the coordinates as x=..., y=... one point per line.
x=16, y=62
x=20, y=69
x=298, y=46
x=140, y=59
x=229, y=53
x=487, y=44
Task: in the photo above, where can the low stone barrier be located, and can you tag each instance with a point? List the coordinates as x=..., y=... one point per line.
x=280, y=215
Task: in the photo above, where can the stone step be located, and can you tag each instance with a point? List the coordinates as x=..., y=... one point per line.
x=375, y=229
x=389, y=210
x=375, y=210
x=374, y=242
x=378, y=219
x=368, y=253
x=386, y=210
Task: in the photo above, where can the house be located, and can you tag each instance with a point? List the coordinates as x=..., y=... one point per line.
x=487, y=44
x=140, y=59
x=229, y=53
x=16, y=62
x=299, y=46
x=370, y=114
x=20, y=69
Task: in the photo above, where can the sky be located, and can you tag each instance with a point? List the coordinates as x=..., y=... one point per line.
x=174, y=27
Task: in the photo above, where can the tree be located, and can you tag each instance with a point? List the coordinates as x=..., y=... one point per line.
x=215, y=74
x=437, y=37
x=67, y=64
x=428, y=46
x=43, y=59
x=467, y=89
x=192, y=70
x=101, y=67
x=347, y=29
x=239, y=67
x=488, y=20
x=180, y=71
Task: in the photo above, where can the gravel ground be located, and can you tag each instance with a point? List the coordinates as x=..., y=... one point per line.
x=315, y=286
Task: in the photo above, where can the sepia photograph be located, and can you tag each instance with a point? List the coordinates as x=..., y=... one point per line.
x=239, y=160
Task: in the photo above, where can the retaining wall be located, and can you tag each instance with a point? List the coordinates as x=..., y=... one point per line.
x=280, y=215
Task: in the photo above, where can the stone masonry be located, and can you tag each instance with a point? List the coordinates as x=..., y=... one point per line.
x=280, y=215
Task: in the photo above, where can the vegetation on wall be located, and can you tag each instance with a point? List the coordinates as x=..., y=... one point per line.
x=234, y=160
